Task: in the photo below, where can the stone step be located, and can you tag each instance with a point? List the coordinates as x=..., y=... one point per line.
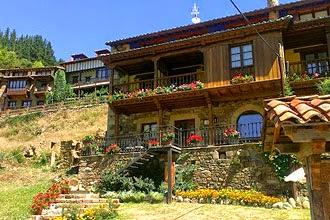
x=83, y=205
x=79, y=196
x=81, y=200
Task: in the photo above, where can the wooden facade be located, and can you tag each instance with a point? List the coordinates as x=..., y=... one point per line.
x=26, y=87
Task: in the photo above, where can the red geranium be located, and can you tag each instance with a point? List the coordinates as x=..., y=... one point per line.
x=153, y=142
x=194, y=139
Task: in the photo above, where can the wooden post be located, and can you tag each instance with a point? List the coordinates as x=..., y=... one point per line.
x=328, y=40
x=160, y=119
x=313, y=175
x=112, y=70
x=117, y=118
x=211, y=124
x=155, y=72
x=169, y=176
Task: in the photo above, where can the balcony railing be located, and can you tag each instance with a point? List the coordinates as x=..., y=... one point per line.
x=162, y=81
x=305, y=70
x=93, y=80
x=217, y=135
x=16, y=91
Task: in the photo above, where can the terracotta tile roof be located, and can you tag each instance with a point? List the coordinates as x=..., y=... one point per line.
x=299, y=110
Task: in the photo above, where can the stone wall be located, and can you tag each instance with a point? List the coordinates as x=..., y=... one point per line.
x=241, y=167
x=226, y=113
x=91, y=167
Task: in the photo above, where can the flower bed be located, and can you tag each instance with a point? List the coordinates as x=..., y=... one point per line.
x=142, y=93
x=43, y=200
x=231, y=196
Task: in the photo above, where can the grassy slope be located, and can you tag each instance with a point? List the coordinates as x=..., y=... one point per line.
x=18, y=185
x=189, y=211
x=63, y=125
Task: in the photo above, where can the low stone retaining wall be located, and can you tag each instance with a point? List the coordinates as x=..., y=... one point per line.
x=238, y=167
x=91, y=167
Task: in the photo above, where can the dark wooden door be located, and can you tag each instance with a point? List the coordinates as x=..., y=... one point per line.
x=185, y=127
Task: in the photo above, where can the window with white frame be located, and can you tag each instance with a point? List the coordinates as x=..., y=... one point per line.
x=241, y=56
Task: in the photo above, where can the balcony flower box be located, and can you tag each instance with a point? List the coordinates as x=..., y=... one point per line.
x=232, y=136
x=167, y=138
x=194, y=140
x=111, y=149
x=153, y=143
x=239, y=78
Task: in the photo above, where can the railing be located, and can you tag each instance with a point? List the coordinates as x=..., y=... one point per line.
x=162, y=81
x=16, y=91
x=308, y=69
x=217, y=135
x=93, y=80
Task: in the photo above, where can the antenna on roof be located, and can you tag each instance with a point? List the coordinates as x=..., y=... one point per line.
x=195, y=12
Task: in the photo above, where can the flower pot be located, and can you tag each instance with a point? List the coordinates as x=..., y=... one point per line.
x=233, y=140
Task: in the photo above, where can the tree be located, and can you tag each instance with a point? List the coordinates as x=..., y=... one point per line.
x=9, y=59
x=62, y=90
x=37, y=64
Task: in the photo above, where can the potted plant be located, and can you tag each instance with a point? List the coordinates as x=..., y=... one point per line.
x=111, y=149
x=242, y=78
x=194, y=140
x=167, y=138
x=232, y=135
x=153, y=143
x=88, y=145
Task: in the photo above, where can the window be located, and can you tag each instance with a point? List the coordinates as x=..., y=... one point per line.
x=306, y=17
x=12, y=104
x=26, y=103
x=40, y=102
x=102, y=73
x=249, y=125
x=149, y=131
x=321, y=14
x=88, y=79
x=17, y=84
x=241, y=56
x=317, y=63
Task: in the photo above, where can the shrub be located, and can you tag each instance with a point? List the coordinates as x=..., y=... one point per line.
x=154, y=197
x=115, y=182
x=130, y=196
x=43, y=159
x=17, y=156
x=242, y=197
x=184, y=178
x=324, y=87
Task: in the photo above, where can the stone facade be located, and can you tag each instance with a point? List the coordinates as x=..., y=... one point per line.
x=226, y=113
x=240, y=167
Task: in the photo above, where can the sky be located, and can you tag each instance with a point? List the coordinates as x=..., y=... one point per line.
x=83, y=26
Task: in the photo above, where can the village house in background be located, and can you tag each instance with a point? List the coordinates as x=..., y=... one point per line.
x=24, y=88
x=87, y=74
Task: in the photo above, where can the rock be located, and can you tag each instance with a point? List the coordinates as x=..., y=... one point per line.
x=287, y=205
x=213, y=201
x=206, y=173
x=306, y=204
x=278, y=205
x=201, y=200
x=186, y=200
x=292, y=202
x=179, y=199
x=298, y=202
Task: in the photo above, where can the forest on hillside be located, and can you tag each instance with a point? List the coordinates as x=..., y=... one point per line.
x=24, y=50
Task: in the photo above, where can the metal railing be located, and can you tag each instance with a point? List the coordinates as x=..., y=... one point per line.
x=92, y=80
x=176, y=80
x=217, y=135
x=305, y=70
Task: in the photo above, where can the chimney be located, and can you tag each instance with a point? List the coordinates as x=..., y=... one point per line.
x=273, y=14
x=272, y=3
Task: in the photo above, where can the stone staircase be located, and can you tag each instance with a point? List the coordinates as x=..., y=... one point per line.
x=82, y=200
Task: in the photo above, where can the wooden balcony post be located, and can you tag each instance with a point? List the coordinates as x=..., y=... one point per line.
x=155, y=60
x=112, y=76
x=328, y=41
x=117, y=121
x=211, y=125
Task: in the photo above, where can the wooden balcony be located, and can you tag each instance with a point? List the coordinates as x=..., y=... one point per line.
x=307, y=70
x=247, y=133
x=17, y=92
x=176, y=80
x=40, y=91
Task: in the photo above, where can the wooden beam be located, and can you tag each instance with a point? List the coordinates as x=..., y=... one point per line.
x=169, y=176
x=287, y=148
x=313, y=175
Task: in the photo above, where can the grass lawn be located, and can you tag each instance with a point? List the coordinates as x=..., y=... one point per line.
x=190, y=211
x=17, y=188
